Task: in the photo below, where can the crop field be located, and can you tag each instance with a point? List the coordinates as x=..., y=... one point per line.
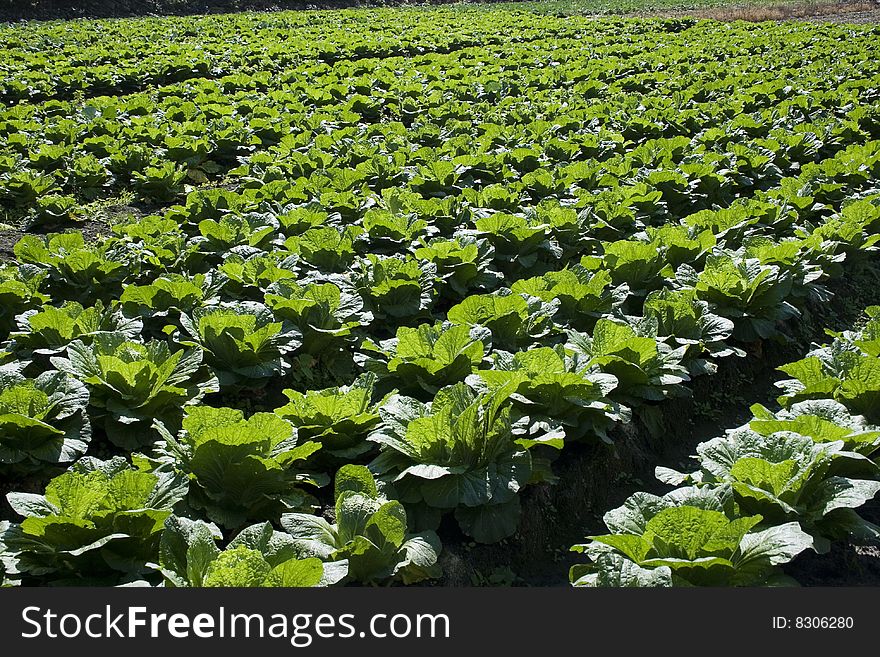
x=338, y=298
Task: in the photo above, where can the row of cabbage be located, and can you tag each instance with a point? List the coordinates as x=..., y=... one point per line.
x=785, y=482
x=523, y=118
x=76, y=60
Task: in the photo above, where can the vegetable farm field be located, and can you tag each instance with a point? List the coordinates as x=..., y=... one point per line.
x=423, y=296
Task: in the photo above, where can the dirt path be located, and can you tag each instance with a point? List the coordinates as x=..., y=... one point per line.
x=854, y=17
x=850, y=12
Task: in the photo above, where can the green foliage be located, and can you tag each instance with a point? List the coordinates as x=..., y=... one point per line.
x=745, y=291
x=460, y=452
x=395, y=288
x=249, y=277
x=240, y=469
x=645, y=367
x=689, y=537
x=515, y=320
x=338, y=418
x=241, y=342
x=533, y=224
x=683, y=320
x=131, y=384
x=324, y=313
x=167, y=295
x=20, y=290
x=555, y=390
x=424, y=359
x=257, y=557
x=841, y=372
x=464, y=264
x=76, y=271
x=49, y=330
x=784, y=476
x=583, y=296
x=370, y=534
x=42, y=421
x=98, y=523
x=823, y=420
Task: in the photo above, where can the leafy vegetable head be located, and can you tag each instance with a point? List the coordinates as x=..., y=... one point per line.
x=583, y=296
x=428, y=357
x=42, y=421
x=241, y=341
x=48, y=330
x=168, y=295
x=785, y=476
x=240, y=469
x=19, y=291
x=681, y=244
x=250, y=277
x=684, y=320
x=327, y=249
x=515, y=320
x=324, y=312
x=96, y=523
x=459, y=452
x=516, y=239
x=745, y=291
x=133, y=383
x=558, y=394
x=823, y=420
x=464, y=264
x=388, y=230
x=338, y=418
x=840, y=372
x=77, y=271
x=247, y=234
x=639, y=265
x=645, y=367
x=159, y=243
x=258, y=556
x=396, y=288
x=689, y=537
x=370, y=533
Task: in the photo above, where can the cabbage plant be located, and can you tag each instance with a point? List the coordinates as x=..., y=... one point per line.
x=689, y=537
x=784, y=477
x=461, y=453
x=240, y=469
x=131, y=384
x=557, y=393
x=98, y=523
x=241, y=341
x=258, y=556
x=370, y=534
x=516, y=320
x=43, y=421
x=339, y=418
x=424, y=359
x=325, y=313
x=645, y=367
x=48, y=330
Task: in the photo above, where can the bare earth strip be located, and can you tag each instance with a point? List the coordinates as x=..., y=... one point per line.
x=831, y=12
